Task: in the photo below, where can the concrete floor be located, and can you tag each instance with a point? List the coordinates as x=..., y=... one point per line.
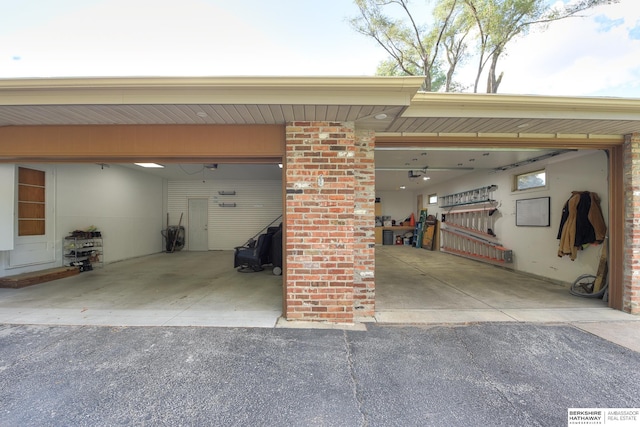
x=179, y=289
x=420, y=286
x=203, y=289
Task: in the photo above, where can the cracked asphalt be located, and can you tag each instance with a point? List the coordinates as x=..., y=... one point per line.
x=480, y=374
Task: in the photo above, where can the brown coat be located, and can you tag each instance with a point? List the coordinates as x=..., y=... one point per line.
x=596, y=219
x=568, y=231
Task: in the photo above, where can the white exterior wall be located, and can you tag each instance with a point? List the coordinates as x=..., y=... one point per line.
x=258, y=202
x=535, y=248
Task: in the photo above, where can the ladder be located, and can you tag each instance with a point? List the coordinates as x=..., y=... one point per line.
x=420, y=228
x=477, y=195
x=460, y=243
x=478, y=220
x=468, y=226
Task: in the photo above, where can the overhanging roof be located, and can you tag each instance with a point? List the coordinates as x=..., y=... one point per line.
x=486, y=114
x=215, y=100
x=277, y=100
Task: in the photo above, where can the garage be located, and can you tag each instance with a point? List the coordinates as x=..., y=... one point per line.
x=464, y=278
x=137, y=279
x=325, y=132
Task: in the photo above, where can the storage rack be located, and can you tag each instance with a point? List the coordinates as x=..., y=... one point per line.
x=83, y=251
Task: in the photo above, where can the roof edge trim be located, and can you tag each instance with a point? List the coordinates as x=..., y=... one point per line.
x=409, y=84
x=445, y=103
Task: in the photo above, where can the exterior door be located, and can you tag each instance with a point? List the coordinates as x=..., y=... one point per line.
x=198, y=238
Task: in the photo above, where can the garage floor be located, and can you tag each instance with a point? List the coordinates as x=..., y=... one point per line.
x=179, y=289
x=202, y=289
x=420, y=286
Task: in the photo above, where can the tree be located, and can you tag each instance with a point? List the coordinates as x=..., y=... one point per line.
x=454, y=40
x=412, y=49
x=424, y=49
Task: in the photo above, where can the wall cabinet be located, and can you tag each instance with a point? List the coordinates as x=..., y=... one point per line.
x=83, y=252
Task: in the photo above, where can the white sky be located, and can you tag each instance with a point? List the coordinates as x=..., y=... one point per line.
x=598, y=55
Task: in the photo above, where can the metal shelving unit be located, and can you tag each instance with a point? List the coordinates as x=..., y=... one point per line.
x=83, y=252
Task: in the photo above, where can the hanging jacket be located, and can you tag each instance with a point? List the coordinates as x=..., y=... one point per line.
x=581, y=223
x=596, y=219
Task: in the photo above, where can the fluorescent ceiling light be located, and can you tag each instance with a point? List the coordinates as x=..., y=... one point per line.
x=149, y=165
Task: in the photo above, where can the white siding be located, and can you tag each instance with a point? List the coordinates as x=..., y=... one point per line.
x=257, y=204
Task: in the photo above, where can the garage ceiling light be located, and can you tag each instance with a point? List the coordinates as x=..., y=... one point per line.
x=149, y=165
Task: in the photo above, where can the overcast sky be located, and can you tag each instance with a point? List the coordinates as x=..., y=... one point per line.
x=598, y=55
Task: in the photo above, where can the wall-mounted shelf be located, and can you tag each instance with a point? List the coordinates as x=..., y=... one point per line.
x=227, y=205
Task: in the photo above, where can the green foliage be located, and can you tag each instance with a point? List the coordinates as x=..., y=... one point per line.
x=456, y=31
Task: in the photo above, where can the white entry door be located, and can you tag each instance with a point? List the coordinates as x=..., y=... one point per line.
x=198, y=238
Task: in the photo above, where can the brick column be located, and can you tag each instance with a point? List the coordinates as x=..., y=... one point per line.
x=631, y=281
x=364, y=217
x=319, y=207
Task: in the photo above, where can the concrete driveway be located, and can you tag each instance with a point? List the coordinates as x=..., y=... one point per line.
x=498, y=374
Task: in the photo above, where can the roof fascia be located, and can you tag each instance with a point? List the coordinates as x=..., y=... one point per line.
x=211, y=90
x=522, y=106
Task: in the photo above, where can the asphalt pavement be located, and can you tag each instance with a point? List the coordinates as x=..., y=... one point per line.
x=487, y=374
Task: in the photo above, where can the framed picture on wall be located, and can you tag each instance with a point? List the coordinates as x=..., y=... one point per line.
x=534, y=212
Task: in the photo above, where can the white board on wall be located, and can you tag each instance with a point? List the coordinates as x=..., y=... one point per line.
x=7, y=203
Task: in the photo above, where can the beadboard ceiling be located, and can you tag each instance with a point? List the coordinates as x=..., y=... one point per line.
x=362, y=115
x=192, y=114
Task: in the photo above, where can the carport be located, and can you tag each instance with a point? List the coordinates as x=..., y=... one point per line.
x=271, y=120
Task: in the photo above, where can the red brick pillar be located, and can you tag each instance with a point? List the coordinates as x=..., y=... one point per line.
x=631, y=292
x=364, y=217
x=319, y=207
